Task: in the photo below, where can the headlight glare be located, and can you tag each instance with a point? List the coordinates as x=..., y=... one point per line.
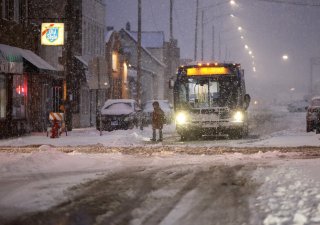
x=238, y=117
x=181, y=118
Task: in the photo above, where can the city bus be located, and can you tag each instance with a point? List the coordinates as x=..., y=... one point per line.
x=210, y=99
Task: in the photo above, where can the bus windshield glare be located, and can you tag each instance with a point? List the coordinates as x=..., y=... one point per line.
x=208, y=92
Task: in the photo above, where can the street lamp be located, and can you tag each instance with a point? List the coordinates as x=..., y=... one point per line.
x=285, y=57
x=232, y=2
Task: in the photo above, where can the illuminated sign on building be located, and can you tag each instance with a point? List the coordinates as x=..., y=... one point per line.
x=52, y=34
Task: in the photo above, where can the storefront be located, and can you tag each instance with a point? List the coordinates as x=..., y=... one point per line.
x=23, y=78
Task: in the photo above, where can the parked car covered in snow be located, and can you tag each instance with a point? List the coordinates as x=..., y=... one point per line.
x=164, y=105
x=313, y=115
x=298, y=106
x=119, y=114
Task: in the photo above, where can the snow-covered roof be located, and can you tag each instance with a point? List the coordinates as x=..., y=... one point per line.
x=10, y=51
x=150, y=39
x=36, y=60
x=144, y=48
x=108, y=35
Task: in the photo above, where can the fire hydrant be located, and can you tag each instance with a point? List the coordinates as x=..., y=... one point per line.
x=55, y=129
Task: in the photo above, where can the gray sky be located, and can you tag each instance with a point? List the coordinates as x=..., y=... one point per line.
x=270, y=30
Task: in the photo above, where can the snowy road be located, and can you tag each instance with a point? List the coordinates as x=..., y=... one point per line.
x=166, y=188
x=121, y=178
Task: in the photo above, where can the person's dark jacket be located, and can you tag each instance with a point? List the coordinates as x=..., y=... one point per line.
x=157, y=118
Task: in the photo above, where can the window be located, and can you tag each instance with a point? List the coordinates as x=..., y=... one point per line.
x=19, y=96
x=114, y=61
x=3, y=97
x=5, y=9
x=16, y=11
x=11, y=10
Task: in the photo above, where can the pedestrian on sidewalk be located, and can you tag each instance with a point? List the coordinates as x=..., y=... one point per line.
x=157, y=121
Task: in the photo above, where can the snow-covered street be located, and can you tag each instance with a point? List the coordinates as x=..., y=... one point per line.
x=121, y=178
x=268, y=128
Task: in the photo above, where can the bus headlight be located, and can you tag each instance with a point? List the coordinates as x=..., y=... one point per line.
x=181, y=118
x=238, y=117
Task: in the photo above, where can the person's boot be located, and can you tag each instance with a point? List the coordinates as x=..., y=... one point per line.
x=160, y=135
x=153, y=135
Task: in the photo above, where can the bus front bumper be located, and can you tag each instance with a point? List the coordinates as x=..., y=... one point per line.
x=209, y=127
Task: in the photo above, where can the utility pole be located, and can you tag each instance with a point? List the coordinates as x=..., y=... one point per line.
x=202, y=33
x=171, y=24
x=139, y=55
x=196, y=32
x=170, y=55
x=219, y=46
x=68, y=74
x=212, y=42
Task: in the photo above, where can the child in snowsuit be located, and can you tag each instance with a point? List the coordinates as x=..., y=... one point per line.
x=157, y=121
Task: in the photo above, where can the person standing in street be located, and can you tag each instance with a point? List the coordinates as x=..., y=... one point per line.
x=157, y=121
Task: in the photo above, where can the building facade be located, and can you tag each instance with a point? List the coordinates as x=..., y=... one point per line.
x=152, y=77
x=81, y=60
x=167, y=52
x=24, y=76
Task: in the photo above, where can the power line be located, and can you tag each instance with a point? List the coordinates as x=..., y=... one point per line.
x=291, y=3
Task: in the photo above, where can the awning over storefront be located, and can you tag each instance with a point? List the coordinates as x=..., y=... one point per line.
x=82, y=60
x=11, y=60
x=36, y=60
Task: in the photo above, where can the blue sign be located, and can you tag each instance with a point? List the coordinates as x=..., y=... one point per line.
x=52, y=34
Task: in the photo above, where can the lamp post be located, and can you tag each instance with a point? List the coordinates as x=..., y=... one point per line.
x=68, y=65
x=139, y=56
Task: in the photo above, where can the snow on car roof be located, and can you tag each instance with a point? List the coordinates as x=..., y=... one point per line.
x=112, y=101
x=315, y=97
x=118, y=107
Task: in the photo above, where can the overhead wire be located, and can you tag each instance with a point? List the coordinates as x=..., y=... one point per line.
x=292, y=3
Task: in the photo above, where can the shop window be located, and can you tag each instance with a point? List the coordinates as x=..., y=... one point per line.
x=3, y=97
x=5, y=9
x=19, y=96
x=17, y=11
x=11, y=10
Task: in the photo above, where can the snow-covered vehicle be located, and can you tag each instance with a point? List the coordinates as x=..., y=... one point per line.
x=119, y=114
x=211, y=99
x=313, y=115
x=164, y=105
x=298, y=106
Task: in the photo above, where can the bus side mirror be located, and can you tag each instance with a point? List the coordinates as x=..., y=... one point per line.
x=247, y=100
x=171, y=83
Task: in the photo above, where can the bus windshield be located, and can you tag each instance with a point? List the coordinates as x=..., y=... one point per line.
x=206, y=92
